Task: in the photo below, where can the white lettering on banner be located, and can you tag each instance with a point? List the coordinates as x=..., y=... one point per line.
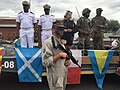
x=8, y=64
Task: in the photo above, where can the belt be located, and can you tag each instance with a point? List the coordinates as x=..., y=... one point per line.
x=27, y=28
x=47, y=29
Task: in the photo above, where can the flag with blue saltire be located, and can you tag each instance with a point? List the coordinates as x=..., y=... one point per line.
x=29, y=64
x=100, y=60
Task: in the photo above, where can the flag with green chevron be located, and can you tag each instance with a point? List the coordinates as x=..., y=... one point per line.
x=100, y=60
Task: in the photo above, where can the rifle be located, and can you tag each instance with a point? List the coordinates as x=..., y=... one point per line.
x=67, y=51
x=78, y=12
x=91, y=33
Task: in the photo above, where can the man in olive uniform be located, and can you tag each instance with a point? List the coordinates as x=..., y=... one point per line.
x=55, y=60
x=83, y=24
x=99, y=24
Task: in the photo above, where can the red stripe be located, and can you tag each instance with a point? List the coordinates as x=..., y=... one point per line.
x=0, y=63
x=0, y=52
x=73, y=75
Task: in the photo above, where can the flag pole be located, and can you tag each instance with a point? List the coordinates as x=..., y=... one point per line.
x=77, y=12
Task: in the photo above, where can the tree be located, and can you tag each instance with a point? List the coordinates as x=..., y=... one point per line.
x=113, y=25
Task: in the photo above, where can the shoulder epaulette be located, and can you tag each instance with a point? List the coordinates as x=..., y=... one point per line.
x=31, y=12
x=20, y=12
x=42, y=15
x=81, y=18
x=52, y=15
x=103, y=17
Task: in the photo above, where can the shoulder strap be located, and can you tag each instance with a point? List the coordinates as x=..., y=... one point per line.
x=20, y=12
x=42, y=15
x=53, y=42
x=31, y=12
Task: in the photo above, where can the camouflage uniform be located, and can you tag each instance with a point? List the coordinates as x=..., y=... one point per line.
x=99, y=24
x=83, y=24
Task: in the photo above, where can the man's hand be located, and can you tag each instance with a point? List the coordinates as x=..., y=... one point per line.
x=67, y=63
x=18, y=28
x=63, y=55
x=17, y=36
x=84, y=32
x=101, y=26
x=39, y=42
x=67, y=30
x=87, y=33
x=60, y=55
x=39, y=36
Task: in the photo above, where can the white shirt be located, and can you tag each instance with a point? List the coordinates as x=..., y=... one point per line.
x=26, y=20
x=46, y=21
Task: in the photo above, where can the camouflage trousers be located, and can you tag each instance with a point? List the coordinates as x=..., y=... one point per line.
x=84, y=42
x=98, y=43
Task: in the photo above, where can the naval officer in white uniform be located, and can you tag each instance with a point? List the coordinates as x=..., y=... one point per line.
x=45, y=24
x=26, y=22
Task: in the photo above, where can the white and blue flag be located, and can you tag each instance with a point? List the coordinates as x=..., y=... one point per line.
x=29, y=64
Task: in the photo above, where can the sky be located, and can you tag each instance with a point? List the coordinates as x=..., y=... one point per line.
x=10, y=8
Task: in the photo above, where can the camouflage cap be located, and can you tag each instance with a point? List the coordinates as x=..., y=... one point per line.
x=26, y=3
x=46, y=6
x=86, y=10
x=59, y=25
x=99, y=9
x=59, y=29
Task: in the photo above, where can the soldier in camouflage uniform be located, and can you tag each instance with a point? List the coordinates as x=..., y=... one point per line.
x=99, y=24
x=83, y=24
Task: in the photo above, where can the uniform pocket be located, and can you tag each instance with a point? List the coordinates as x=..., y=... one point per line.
x=30, y=17
x=43, y=20
x=60, y=82
x=50, y=81
x=21, y=18
x=51, y=20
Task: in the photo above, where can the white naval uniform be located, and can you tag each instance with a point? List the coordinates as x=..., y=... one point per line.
x=26, y=31
x=46, y=22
